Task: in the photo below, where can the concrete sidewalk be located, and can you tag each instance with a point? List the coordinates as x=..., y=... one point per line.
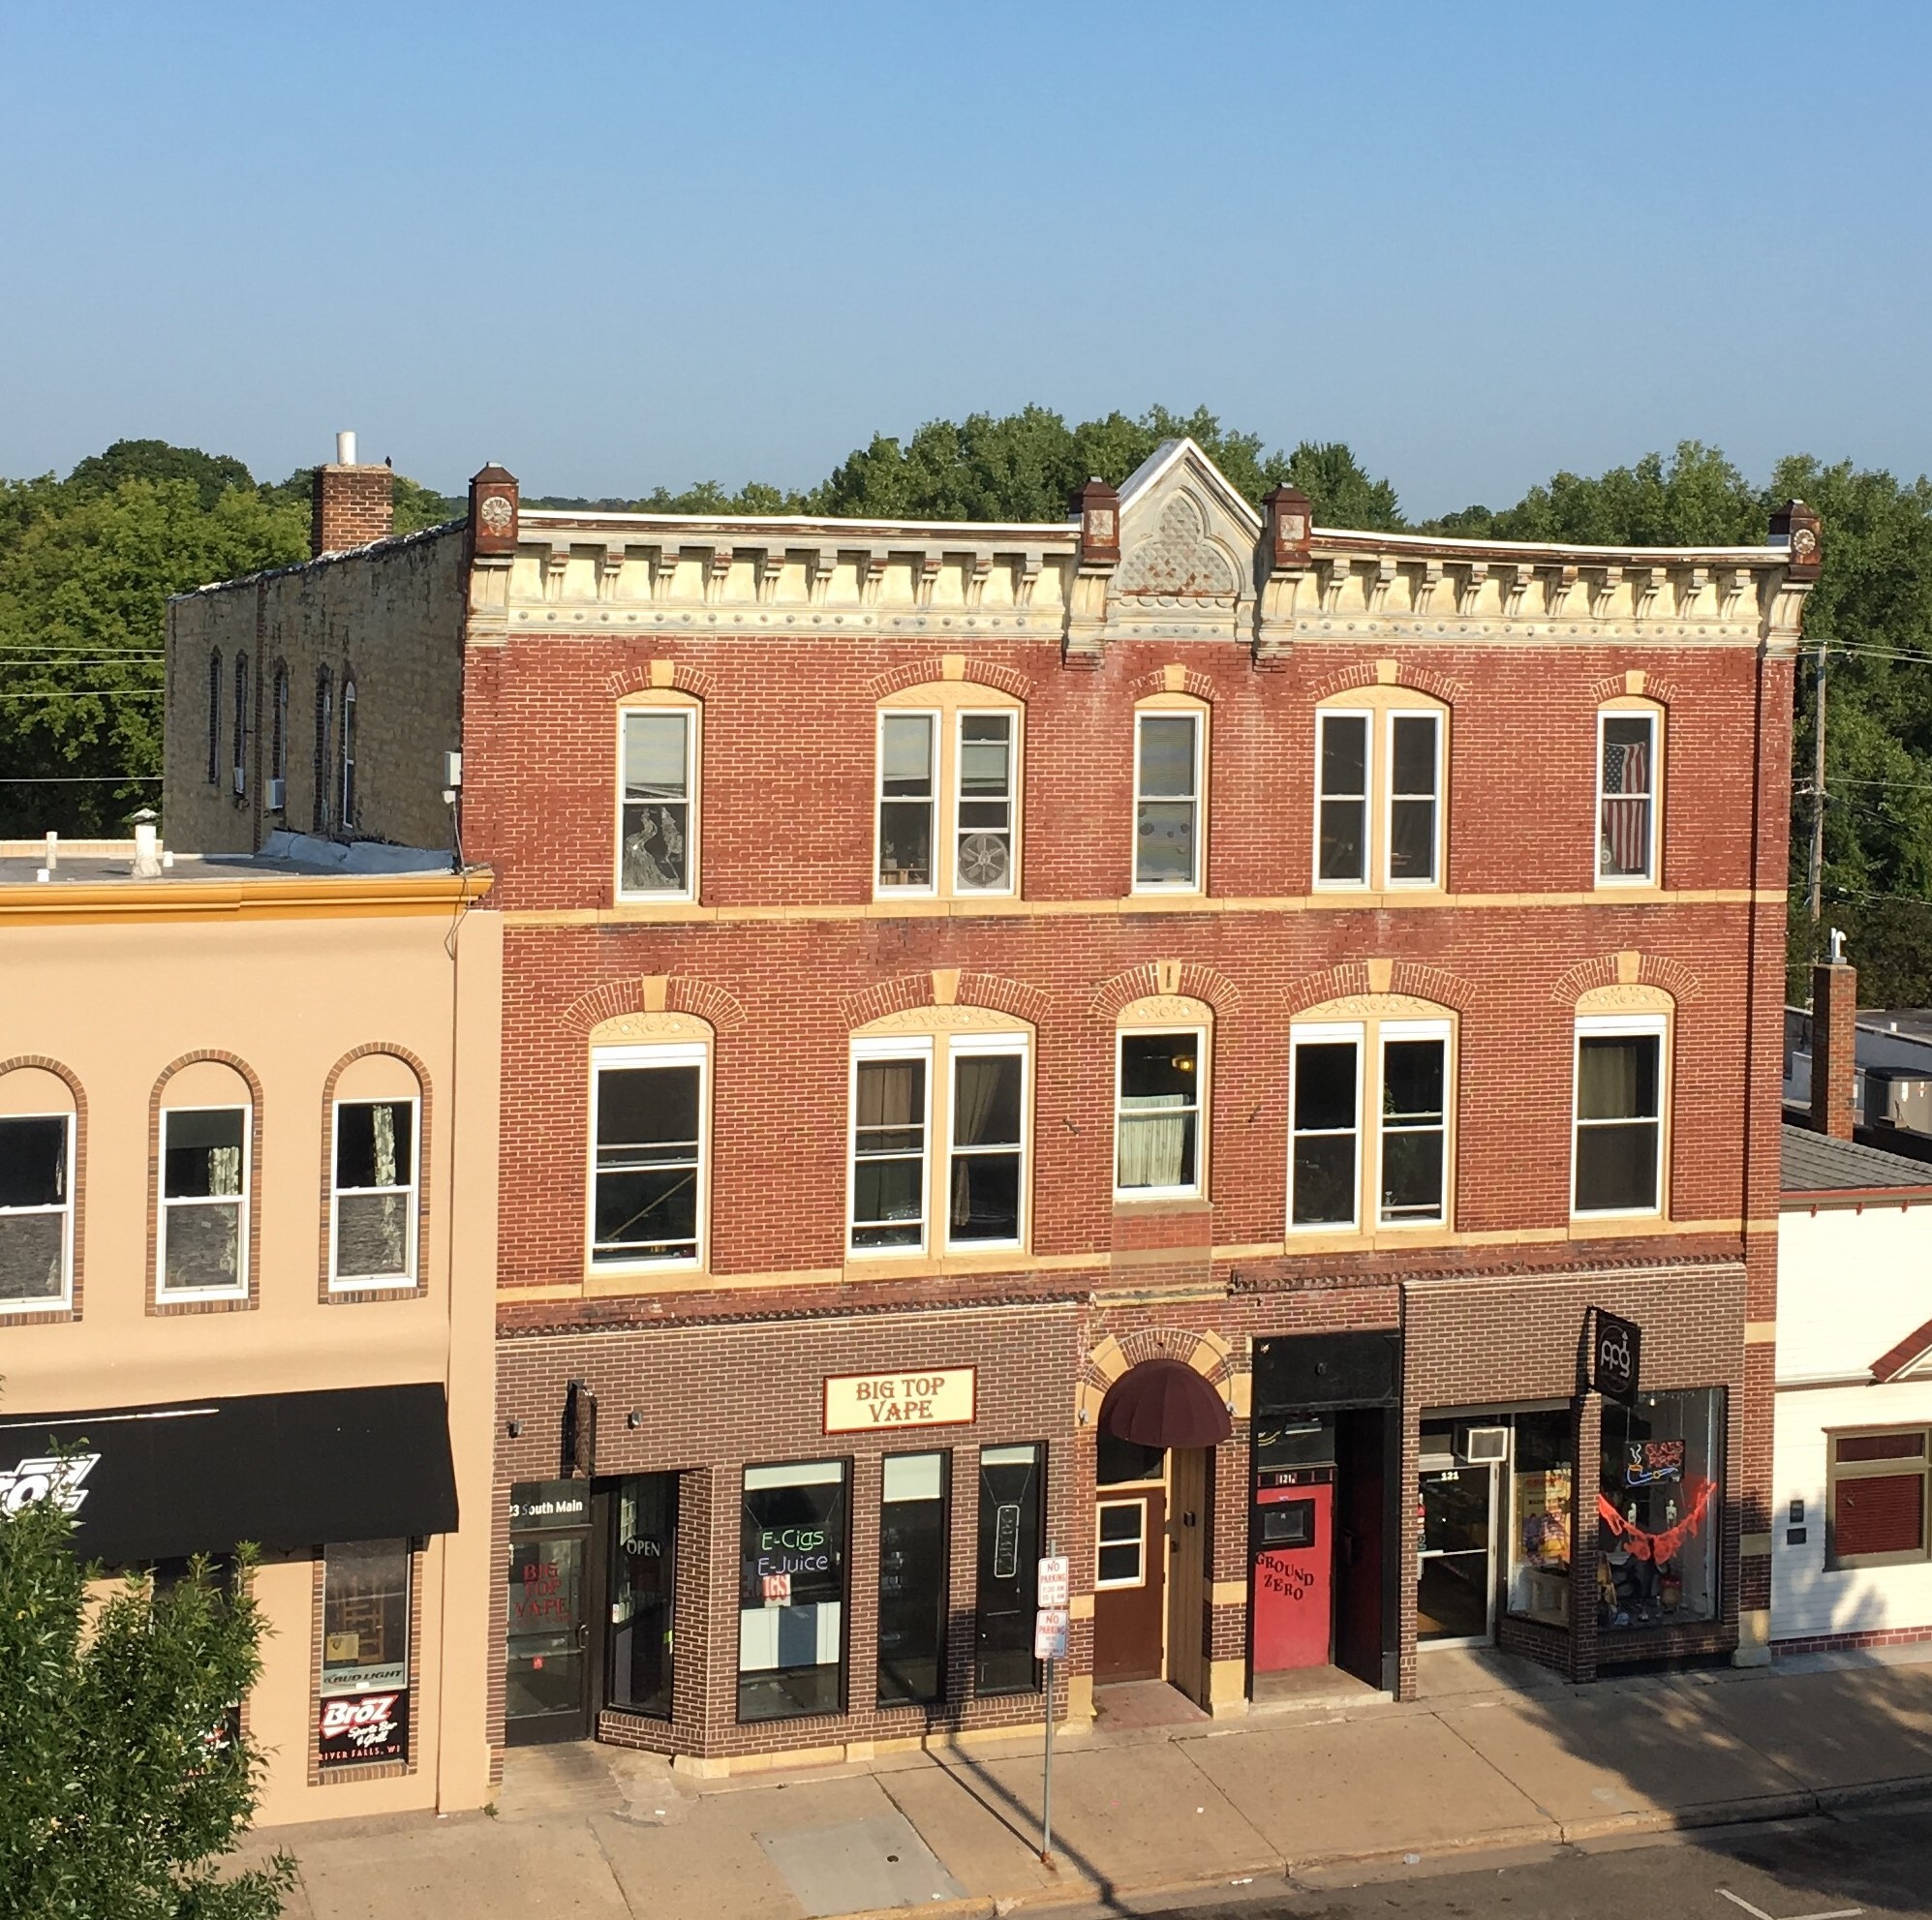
x=1494, y=1759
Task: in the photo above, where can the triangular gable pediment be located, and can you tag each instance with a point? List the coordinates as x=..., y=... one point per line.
x=1910, y=1359
x=1187, y=542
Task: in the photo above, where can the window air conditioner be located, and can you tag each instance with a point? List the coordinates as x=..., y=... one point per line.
x=1486, y=1446
x=278, y=794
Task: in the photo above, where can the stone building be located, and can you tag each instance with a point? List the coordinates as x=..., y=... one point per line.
x=1198, y=1037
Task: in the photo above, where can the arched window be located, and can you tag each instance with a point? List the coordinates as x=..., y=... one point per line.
x=278, y=741
x=345, y=784
x=657, y=797
x=1162, y=1061
x=214, y=717
x=1630, y=791
x=1381, y=768
x=650, y=1142
x=38, y=1149
x=324, y=717
x=1619, y=1145
x=375, y=1149
x=240, y=723
x=1170, y=795
x=205, y=1128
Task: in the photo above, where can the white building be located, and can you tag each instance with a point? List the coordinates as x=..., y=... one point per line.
x=1852, y=1560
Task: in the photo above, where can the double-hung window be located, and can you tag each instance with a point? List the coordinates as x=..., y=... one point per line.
x=1159, y=1105
x=35, y=1211
x=205, y=1200
x=1378, y=797
x=948, y=798
x=1168, y=780
x=1619, y=1114
x=1626, y=770
x=372, y=1224
x=1876, y=1511
x=938, y=1118
x=1368, y=1124
x=657, y=819
x=648, y=1128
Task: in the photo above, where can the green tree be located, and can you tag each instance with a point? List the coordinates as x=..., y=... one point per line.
x=125, y=1784
x=210, y=475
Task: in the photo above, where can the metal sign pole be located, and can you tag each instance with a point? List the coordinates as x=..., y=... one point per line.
x=1047, y=1792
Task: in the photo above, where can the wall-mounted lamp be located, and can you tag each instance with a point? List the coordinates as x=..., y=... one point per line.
x=633, y=1420
x=1083, y=1416
x=516, y=1429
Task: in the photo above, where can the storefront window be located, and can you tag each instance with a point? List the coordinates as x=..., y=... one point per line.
x=1659, y=1508
x=365, y=1677
x=1010, y=1488
x=1543, y=1477
x=791, y=1640
x=912, y=1579
x=643, y=1577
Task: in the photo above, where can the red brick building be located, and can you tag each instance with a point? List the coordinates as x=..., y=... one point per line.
x=1178, y=1033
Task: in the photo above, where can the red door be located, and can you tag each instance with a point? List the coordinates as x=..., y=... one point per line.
x=1294, y=1576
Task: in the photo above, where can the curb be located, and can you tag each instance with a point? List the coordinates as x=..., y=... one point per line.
x=1440, y=1856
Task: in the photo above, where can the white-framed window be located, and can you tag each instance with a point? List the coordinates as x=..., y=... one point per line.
x=36, y=1211
x=1120, y=1543
x=373, y=1218
x=1621, y=1094
x=1368, y=1124
x=657, y=825
x=1378, y=797
x=205, y=1200
x=1168, y=783
x=908, y=800
x=985, y=802
x=968, y=1145
x=1628, y=766
x=1159, y=1111
x=649, y=1128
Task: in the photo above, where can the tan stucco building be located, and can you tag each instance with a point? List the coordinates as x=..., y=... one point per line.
x=248, y=1148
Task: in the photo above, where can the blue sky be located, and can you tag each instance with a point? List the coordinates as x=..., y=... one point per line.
x=617, y=246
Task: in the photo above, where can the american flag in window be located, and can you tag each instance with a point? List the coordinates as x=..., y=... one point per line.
x=1624, y=823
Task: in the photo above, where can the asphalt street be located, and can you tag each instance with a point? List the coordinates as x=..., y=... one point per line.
x=1876, y=1862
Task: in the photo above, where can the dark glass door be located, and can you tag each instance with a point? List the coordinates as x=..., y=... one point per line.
x=643, y=1582
x=546, y=1690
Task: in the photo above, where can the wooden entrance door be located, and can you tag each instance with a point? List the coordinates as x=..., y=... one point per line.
x=1129, y=1584
x=1188, y=1531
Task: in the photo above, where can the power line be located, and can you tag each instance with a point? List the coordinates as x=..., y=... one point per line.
x=96, y=694
x=73, y=780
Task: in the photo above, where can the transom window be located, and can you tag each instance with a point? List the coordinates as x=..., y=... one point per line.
x=648, y=1128
x=1168, y=770
x=35, y=1211
x=1378, y=797
x=948, y=798
x=372, y=1223
x=205, y=1199
x=1368, y=1124
x=972, y=1149
x=656, y=824
x=1627, y=784
x=1158, y=1106
x=1619, y=1114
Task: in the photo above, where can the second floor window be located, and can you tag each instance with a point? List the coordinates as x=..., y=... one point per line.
x=204, y=1227
x=969, y=1154
x=214, y=718
x=1378, y=805
x=656, y=827
x=240, y=768
x=1368, y=1124
x=1626, y=796
x=374, y=1221
x=346, y=783
x=278, y=741
x=1167, y=801
x=35, y=1209
x=647, y=1177
x=1159, y=1114
x=1619, y=1123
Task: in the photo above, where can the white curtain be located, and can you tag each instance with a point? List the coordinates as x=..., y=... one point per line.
x=1153, y=1146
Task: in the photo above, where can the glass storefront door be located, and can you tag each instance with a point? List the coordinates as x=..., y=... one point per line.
x=546, y=1690
x=1456, y=1584
x=643, y=1577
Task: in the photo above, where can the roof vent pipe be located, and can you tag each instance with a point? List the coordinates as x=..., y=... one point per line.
x=148, y=861
x=345, y=450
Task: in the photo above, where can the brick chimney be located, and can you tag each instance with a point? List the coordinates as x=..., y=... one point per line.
x=353, y=504
x=1834, y=1030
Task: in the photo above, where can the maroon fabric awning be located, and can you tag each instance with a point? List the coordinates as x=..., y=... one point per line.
x=1165, y=1403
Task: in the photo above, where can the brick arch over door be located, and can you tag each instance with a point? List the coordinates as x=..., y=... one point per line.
x=670, y=992
x=76, y=1182
x=394, y=1052
x=1190, y=979
x=955, y=668
x=1210, y=1356
x=252, y=1080
x=944, y=986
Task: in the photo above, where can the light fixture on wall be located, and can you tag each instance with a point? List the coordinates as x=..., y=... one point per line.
x=516, y=1429
x=633, y=1420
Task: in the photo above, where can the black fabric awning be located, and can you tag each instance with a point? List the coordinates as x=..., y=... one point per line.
x=283, y=1470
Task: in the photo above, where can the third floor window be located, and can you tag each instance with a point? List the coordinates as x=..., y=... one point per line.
x=948, y=798
x=1378, y=805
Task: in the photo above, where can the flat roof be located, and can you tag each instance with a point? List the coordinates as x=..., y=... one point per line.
x=98, y=863
x=1815, y=1163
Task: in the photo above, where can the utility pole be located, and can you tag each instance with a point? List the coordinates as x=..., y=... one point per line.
x=1817, y=798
